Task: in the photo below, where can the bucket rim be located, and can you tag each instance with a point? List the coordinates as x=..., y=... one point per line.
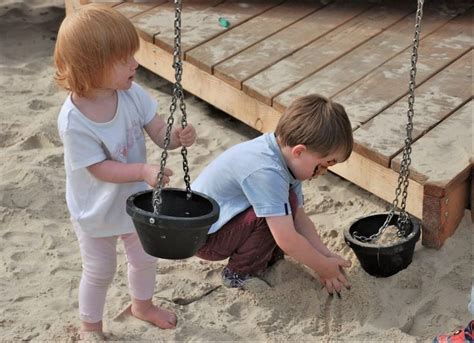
x=414, y=235
x=144, y=217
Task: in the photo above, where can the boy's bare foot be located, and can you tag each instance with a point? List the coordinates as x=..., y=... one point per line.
x=145, y=310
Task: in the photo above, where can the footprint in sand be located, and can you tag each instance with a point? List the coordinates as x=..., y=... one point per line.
x=38, y=105
x=39, y=141
x=8, y=136
x=53, y=161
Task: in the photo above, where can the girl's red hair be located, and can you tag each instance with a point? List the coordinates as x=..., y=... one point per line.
x=89, y=43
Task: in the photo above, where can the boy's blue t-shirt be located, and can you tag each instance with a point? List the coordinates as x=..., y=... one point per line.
x=252, y=173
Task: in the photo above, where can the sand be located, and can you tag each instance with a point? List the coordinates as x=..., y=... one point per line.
x=40, y=264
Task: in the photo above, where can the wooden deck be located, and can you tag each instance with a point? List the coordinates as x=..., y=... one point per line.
x=358, y=54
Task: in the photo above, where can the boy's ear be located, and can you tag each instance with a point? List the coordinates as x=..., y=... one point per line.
x=297, y=150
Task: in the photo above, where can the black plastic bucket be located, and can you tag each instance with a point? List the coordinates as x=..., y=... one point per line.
x=377, y=260
x=181, y=227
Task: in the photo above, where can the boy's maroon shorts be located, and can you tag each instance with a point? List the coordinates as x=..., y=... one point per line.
x=247, y=241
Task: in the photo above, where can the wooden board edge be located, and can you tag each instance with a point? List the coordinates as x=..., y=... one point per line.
x=256, y=94
x=278, y=105
x=209, y=88
x=380, y=181
x=471, y=187
x=372, y=154
x=442, y=215
x=227, y=78
x=198, y=63
x=440, y=189
x=70, y=6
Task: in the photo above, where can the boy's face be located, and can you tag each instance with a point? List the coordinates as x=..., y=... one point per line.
x=123, y=73
x=307, y=164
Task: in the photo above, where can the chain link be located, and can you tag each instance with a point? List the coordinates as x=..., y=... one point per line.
x=178, y=95
x=403, y=177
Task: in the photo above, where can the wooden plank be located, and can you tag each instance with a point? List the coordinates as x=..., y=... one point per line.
x=199, y=20
x=269, y=51
x=379, y=180
x=442, y=156
x=441, y=216
x=221, y=95
x=388, y=83
x=161, y=18
x=382, y=137
x=71, y=6
x=289, y=71
x=471, y=187
x=362, y=60
x=229, y=43
x=105, y=2
x=132, y=9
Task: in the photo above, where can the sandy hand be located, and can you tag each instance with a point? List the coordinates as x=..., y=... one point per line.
x=333, y=276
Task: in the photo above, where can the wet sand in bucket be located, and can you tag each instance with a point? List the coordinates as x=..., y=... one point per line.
x=388, y=237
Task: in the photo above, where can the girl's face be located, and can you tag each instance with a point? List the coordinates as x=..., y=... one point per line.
x=123, y=73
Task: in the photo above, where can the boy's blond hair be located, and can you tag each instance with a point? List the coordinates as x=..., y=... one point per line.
x=318, y=123
x=89, y=42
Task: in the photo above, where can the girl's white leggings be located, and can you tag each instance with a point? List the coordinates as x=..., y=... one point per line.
x=471, y=303
x=99, y=261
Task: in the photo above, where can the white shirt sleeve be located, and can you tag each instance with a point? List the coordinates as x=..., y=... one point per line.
x=83, y=149
x=268, y=193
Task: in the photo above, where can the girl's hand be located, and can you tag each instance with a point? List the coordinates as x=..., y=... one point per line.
x=150, y=174
x=186, y=136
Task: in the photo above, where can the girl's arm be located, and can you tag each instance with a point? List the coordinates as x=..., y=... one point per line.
x=118, y=172
x=156, y=129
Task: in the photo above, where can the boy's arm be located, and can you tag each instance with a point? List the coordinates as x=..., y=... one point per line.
x=297, y=246
x=118, y=172
x=156, y=129
x=304, y=225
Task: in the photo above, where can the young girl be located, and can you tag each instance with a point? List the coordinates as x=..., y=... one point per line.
x=101, y=125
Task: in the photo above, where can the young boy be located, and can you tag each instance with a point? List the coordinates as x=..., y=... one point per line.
x=257, y=185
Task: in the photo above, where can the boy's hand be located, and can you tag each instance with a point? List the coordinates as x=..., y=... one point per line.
x=150, y=174
x=186, y=136
x=333, y=276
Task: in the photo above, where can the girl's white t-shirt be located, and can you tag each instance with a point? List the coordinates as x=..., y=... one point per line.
x=97, y=206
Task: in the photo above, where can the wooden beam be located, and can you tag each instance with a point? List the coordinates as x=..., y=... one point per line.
x=382, y=137
x=380, y=181
x=207, y=87
x=71, y=6
x=471, y=187
x=199, y=20
x=249, y=62
x=442, y=156
x=441, y=216
x=305, y=62
x=130, y=9
x=388, y=82
x=239, y=38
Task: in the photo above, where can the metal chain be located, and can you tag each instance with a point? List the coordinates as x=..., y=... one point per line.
x=403, y=180
x=178, y=94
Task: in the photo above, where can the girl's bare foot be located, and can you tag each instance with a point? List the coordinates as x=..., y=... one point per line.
x=145, y=310
x=91, y=332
